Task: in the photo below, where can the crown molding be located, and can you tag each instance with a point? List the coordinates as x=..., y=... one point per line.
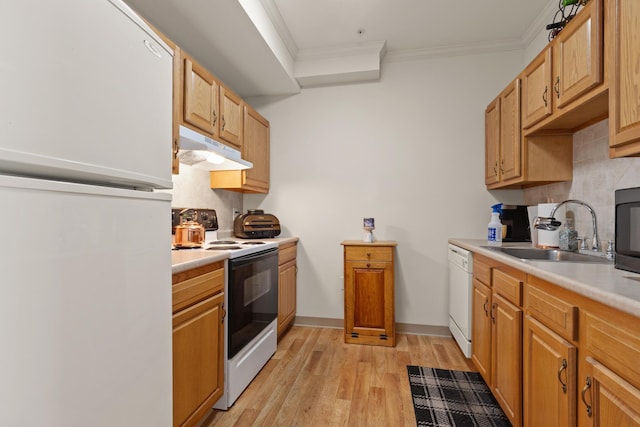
x=452, y=50
x=273, y=13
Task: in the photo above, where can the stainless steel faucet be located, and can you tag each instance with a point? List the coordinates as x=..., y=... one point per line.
x=551, y=224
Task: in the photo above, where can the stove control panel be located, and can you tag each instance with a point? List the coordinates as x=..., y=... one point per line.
x=206, y=217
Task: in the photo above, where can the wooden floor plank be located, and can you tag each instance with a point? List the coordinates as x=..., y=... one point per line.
x=315, y=379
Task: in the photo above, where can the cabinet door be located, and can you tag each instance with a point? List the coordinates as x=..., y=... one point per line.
x=231, y=117
x=510, y=132
x=492, y=142
x=507, y=357
x=536, y=89
x=609, y=400
x=549, y=377
x=198, y=359
x=577, y=58
x=624, y=99
x=369, y=300
x=481, y=330
x=200, y=98
x=286, y=295
x=256, y=150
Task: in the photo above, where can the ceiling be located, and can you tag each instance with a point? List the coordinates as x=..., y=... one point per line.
x=274, y=47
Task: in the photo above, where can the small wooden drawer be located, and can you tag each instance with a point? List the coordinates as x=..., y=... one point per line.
x=368, y=253
x=481, y=270
x=198, y=288
x=508, y=286
x=287, y=253
x=614, y=347
x=555, y=313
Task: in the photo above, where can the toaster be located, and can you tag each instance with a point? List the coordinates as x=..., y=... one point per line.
x=255, y=224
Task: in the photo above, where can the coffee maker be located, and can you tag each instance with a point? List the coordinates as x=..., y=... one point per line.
x=516, y=218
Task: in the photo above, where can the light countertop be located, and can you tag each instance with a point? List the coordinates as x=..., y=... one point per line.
x=600, y=282
x=183, y=260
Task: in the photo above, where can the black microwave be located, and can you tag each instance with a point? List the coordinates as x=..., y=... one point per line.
x=628, y=229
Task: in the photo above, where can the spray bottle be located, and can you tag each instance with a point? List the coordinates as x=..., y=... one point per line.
x=494, y=235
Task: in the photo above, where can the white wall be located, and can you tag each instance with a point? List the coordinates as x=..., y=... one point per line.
x=407, y=150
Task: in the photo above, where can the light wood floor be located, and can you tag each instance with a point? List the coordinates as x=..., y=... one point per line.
x=315, y=379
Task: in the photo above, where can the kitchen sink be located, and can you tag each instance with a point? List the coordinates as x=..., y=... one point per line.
x=534, y=254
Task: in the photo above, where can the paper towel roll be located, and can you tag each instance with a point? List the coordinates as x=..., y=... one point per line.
x=549, y=239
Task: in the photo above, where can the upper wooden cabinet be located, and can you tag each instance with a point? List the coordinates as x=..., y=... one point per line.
x=231, y=117
x=512, y=160
x=211, y=107
x=503, y=136
x=562, y=86
x=624, y=99
x=201, y=105
x=256, y=150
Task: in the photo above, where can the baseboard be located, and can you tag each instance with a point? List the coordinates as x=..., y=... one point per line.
x=401, y=328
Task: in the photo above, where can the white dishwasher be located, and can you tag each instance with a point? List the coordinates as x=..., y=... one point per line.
x=460, y=295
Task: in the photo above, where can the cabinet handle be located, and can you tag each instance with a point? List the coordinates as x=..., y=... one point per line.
x=484, y=306
x=368, y=254
x=223, y=122
x=556, y=87
x=368, y=265
x=562, y=368
x=493, y=312
x=224, y=313
x=495, y=168
x=214, y=118
x=584, y=391
x=502, y=166
x=176, y=148
x=544, y=95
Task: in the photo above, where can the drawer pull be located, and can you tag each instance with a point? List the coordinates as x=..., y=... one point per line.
x=493, y=312
x=484, y=306
x=584, y=391
x=563, y=368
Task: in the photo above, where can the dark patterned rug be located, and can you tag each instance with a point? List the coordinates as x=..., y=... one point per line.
x=453, y=398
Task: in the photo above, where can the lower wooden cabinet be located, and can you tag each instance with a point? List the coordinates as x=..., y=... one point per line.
x=369, y=312
x=287, y=272
x=198, y=342
x=506, y=357
x=609, y=400
x=481, y=330
x=496, y=332
x=550, y=365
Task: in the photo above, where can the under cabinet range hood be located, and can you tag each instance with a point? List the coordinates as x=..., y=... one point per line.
x=202, y=152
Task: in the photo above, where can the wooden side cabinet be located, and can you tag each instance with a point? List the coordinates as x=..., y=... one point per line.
x=198, y=342
x=369, y=312
x=287, y=272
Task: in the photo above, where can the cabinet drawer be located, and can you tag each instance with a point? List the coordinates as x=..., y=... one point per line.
x=556, y=314
x=287, y=253
x=481, y=271
x=197, y=288
x=508, y=286
x=368, y=253
x=614, y=347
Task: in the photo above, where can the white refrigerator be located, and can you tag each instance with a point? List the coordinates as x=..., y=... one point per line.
x=85, y=261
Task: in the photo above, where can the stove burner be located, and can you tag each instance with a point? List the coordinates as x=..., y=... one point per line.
x=221, y=247
x=223, y=242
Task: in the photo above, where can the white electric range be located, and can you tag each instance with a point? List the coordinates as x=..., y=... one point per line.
x=251, y=302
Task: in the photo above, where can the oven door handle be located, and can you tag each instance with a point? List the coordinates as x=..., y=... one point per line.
x=251, y=257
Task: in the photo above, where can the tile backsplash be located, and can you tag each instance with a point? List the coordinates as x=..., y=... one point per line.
x=595, y=178
x=191, y=190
